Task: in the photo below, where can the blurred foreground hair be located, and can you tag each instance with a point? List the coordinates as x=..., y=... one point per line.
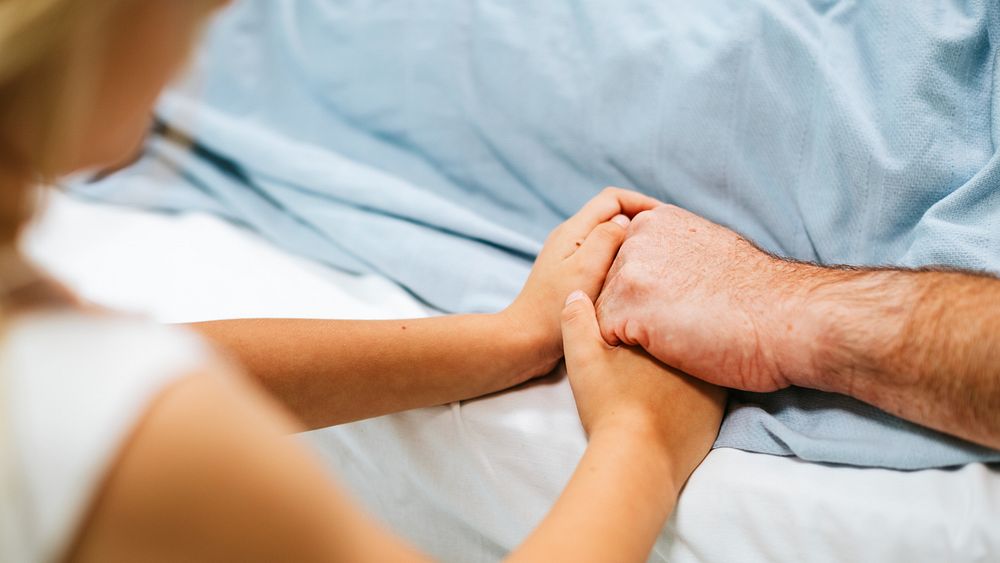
x=51, y=53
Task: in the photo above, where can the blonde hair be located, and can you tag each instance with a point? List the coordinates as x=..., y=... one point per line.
x=50, y=57
x=49, y=60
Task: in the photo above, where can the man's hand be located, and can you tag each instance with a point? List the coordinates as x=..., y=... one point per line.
x=921, y=344
x=705, y=300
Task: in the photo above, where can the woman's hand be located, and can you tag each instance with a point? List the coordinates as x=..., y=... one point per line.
x=576, y=255
x=620, y=389
x=329, y=372
x=649, y=427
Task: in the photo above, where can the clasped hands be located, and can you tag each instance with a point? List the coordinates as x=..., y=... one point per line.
x=602, y=254
x=684, y=308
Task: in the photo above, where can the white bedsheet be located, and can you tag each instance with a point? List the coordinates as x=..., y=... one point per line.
x=468, y=481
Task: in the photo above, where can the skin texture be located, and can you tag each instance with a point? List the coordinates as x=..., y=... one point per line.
x=210, y=474
x=231, y=486
x=649, y=427
x=120, y=112
x=215, y=445
x=328, y=372
x=924, y=345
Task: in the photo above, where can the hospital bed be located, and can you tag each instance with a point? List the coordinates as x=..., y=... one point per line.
x=468, y=481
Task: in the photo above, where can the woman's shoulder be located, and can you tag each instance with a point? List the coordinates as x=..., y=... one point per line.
x=72, y=387
x=65, y=354
x=87, y=340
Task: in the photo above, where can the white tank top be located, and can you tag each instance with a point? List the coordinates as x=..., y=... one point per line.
x=72, y=387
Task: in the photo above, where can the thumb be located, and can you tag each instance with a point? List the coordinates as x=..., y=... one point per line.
x=582, y=340
x=601, y=246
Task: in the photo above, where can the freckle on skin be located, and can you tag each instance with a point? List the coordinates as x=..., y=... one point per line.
x=403, y=327
x=789, y=328
x=692, y=230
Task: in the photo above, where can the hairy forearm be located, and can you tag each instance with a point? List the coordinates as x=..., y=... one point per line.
x=923, y=345
x=614, y=505
x=329, y=372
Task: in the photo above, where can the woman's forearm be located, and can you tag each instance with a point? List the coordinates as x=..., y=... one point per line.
x=614, y=506
x=329, y=372
x=336, y=371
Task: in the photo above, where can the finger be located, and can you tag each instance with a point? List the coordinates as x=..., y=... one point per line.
x=582, y=340
x=599, y=249
x=620, y=328
x=605, y=317
x=604, y=206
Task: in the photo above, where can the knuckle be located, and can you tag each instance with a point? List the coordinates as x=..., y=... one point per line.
x=599, y=307
x=605, y=313
x=664, y=213
x=634, y=332
x=630, y=278
x=676, y=213
x=642, y=218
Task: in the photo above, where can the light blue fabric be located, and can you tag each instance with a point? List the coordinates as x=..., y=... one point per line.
x=438, y=142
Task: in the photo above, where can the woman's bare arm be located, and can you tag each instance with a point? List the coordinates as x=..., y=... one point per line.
x=211, y=474
x=328, y=372
x=650, y=426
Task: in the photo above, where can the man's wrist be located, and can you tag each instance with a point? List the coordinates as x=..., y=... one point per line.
x=806, y=324
x=848, y=322
x=788, y=322
x=816, y=341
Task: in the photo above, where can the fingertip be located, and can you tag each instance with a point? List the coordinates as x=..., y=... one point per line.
x=578, y=309
x=575, y=296
x=605, y=327
x=621, y=220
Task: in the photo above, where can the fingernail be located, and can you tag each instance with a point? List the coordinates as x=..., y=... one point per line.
x=575, y=296
x=621, y=220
